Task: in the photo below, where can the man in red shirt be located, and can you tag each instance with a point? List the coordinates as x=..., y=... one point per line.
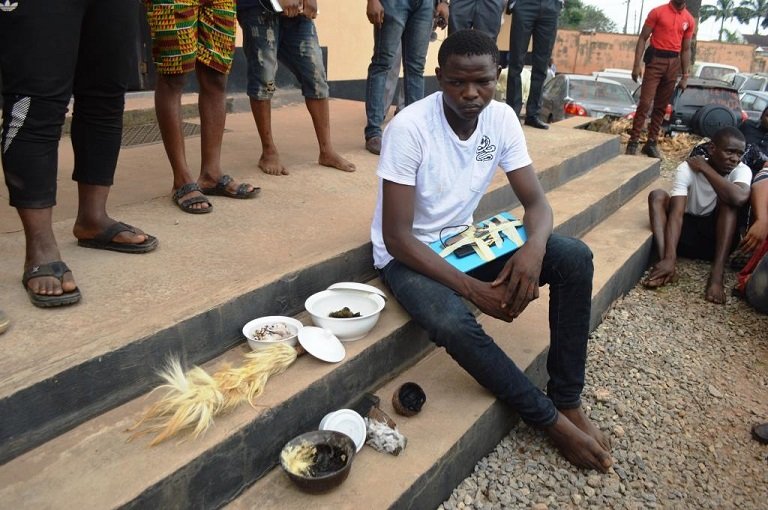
x=670, y=28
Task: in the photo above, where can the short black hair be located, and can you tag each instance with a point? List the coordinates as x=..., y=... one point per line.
x=727, y=132
x=468, y=42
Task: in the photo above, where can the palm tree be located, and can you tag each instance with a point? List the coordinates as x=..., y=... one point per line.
x=750, y=10
x=722, y=10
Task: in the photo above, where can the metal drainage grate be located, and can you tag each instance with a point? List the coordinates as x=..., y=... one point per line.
x=150, y=133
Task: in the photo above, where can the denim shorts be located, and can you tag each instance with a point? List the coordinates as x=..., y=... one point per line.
x=267, y=38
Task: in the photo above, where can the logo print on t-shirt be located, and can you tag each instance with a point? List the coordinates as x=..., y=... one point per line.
x=685, y=26
x=485, y=150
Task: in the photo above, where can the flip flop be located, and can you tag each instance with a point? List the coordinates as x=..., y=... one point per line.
x=57, y=269
x=103, y=241
x=187, y=204
x=221, y=189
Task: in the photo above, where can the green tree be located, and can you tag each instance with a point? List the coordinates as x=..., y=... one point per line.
x=723, y=10
x=578, y=16
x=750, y=10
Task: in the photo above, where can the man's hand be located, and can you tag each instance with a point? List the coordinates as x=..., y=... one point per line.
x=441, y=15
x=488, y=299
x=521, y=273
x=375, y=13
x=661, y=274
x=697, y=163
x=683, y=83
x=637, y=73
x=310, y=9
x=291, y=8
x=754, y=236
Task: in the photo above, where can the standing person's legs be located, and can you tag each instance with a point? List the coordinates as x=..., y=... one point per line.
x=668, y=68
x=415, y=42
x=385, y=43
x=523, y=18
x=300, y=51
x=100, y=83
x=544, y=36
x=174, y=54
x=38, y=73
x=261, y=39
x=487, y=17
x=462, y=15
x=652, y=76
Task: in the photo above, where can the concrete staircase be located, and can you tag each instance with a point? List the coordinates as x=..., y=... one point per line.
x=76, y=379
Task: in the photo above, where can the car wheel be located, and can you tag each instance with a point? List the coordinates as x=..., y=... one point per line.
x=708, y=119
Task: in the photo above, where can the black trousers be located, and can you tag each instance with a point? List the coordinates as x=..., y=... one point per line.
x=535, y=19
x=484, y=15
x=50, y=51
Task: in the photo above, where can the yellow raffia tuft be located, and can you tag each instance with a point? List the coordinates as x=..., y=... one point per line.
x=193, y=399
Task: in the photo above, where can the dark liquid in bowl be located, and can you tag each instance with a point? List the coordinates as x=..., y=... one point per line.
x=328, y=459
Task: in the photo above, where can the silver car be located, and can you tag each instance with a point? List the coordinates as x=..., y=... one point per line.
x=570, y=95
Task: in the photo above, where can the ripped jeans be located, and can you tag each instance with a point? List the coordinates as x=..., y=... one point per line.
x=269, y=37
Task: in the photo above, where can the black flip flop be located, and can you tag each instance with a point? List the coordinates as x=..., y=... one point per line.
x=221, y=189
x=56, y=269
x=103, y=241
x=186, y=205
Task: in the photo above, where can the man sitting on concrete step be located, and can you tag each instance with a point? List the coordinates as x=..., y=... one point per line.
x=438, y=157
x=697, y=219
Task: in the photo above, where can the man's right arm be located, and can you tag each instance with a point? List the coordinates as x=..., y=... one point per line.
x=397, y=230
x=642, y=40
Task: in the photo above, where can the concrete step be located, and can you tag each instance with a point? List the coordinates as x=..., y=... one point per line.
x=461, y=422
x=211, y=274
x=243, y=445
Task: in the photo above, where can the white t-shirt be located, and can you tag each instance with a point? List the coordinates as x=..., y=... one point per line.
x=702, y=197
x=420, y=149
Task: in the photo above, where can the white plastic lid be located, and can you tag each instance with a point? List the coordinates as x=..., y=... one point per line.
x=360, y=287
x=322, y=344
x=347, y=422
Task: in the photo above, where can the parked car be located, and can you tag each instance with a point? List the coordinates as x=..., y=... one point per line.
x=712, y=70
x=570, y=95
x=753, y=103
x=747, y=81
x=704, y=107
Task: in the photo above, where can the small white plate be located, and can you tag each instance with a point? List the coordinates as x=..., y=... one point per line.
x=361, y=287
x=347, y=422
x=322, y=344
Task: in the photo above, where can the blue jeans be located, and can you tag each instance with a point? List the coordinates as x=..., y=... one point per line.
x=408, y=22
x=567, y=268
x=267, y=38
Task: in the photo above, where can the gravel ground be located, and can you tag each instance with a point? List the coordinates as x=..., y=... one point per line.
x=677, y=382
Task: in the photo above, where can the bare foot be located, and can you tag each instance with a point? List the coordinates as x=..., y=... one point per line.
x=334, y=160
x=579, y=448
x=270, y=164
x=579, y=418
x=715, y=291
x=82, y=231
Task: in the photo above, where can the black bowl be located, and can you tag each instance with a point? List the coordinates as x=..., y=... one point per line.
x=332, y=460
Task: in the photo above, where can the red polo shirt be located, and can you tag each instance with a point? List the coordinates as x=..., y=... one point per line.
x=670, y=27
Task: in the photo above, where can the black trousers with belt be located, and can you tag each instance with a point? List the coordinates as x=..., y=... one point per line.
x=537, y=20
x=50, y=51
x=484, y=15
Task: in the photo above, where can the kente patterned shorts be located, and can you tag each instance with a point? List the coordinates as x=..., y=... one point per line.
x=186, y=31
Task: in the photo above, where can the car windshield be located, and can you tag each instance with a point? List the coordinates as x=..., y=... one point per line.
x=695, y=96
x=714, y=72
x=753, y=83
x=600, y=92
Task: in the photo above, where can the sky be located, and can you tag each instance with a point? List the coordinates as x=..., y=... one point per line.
x=616, y=10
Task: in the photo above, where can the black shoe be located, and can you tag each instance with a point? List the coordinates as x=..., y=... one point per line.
x=632, y=146
x=373, y=145
x=651, y=149
x=535, y=122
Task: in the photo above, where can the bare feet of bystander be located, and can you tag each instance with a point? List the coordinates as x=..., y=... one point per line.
x=579, y=447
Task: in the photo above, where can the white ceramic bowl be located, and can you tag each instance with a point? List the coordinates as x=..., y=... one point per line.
x=323, y=303
x=259, y=323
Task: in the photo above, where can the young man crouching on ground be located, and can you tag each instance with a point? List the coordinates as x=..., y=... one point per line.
x=698, y=220
x=438, y=157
